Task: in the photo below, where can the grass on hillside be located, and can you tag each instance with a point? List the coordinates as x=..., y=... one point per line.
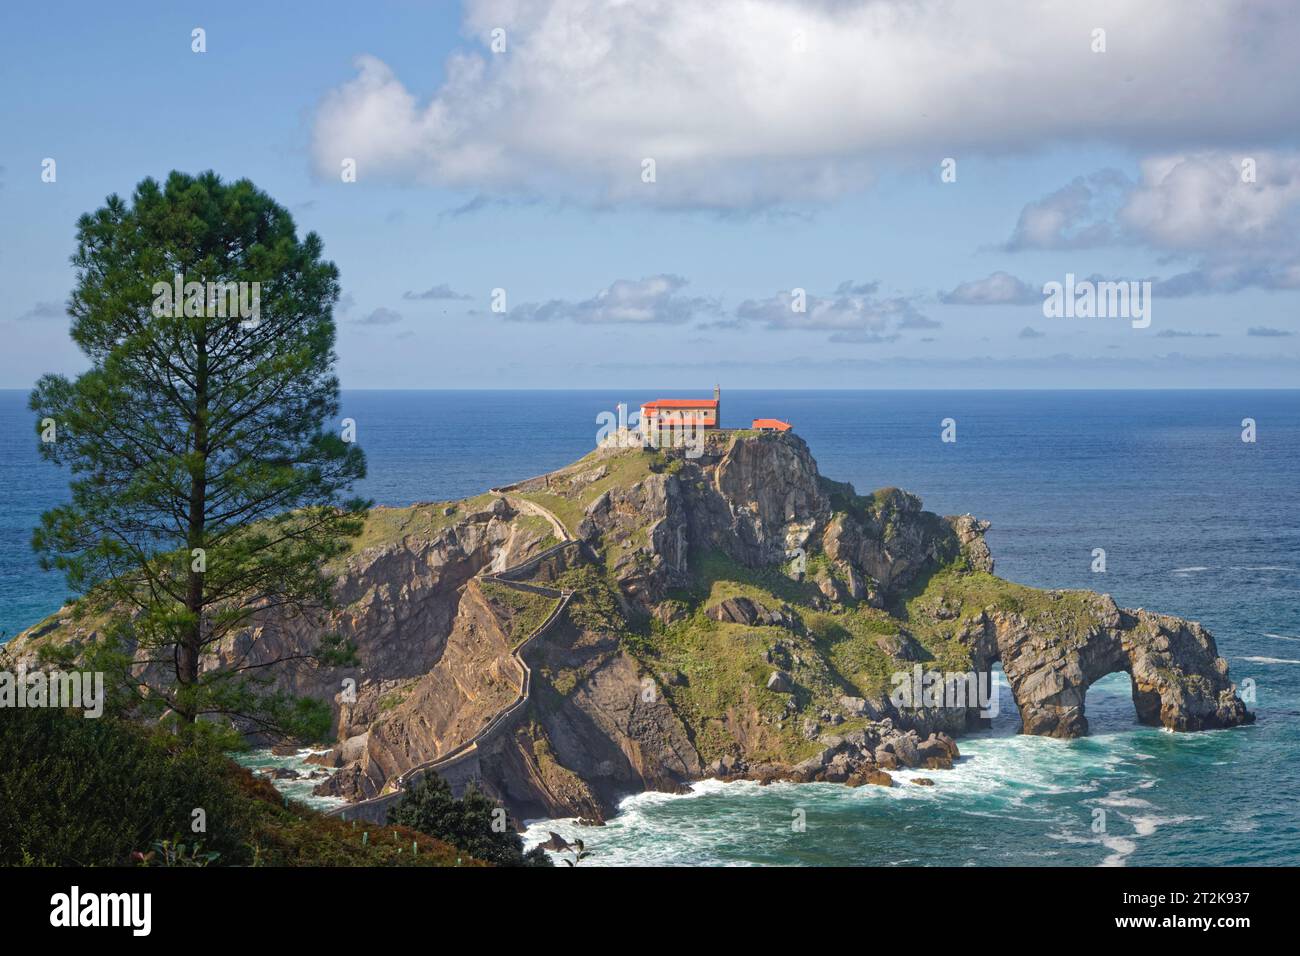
x=569, y=500
x=524, y=610
x=723, y=686
x=539, y=527
x=385, y=526
x=715, y=674
x=723, y=672
x=968, y=593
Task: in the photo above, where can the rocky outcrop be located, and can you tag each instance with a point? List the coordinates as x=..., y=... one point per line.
x=743, y=610
x=395, y=602
x=856, y=758
x=890, y=544
x=772, y=496
x=644, y=525
x=762, y=502
x=473, y=679
x=586, y=745
x=734, y=615
x=970, y=536
x=1051, y=658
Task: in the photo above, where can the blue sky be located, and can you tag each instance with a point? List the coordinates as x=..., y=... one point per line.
x=519, y=170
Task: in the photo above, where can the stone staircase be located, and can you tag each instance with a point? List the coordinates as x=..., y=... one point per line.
x=375, y=810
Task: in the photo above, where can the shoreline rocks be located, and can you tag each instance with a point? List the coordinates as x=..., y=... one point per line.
x=855, y=759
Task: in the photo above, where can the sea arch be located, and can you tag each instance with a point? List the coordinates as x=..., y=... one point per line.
x=1051, y=656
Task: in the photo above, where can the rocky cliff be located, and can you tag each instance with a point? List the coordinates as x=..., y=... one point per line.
x=733, y=614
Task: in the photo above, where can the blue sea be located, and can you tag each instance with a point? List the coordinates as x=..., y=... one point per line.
x=1194, y=521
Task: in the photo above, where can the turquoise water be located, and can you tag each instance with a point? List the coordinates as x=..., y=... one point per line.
x=1011, y=800
x=1194, y=522
x=299, y=789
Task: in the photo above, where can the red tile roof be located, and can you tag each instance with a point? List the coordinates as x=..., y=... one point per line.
x=772, y=423
x=682, y=403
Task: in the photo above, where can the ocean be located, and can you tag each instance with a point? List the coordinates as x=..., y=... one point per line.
x=1193, y=520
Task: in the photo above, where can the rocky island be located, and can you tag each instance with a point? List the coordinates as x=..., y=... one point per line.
x=641, y=619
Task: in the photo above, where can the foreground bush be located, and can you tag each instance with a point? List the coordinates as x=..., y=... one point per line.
x=474, y=823
x=78, y=792
x=84, y=792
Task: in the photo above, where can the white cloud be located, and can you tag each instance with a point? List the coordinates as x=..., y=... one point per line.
x=1241, y=234
x=1200, y=202
x=653, y=300
x=1073, y=217
x=735, y=113
x=852, y=314
x=1000, y=288
x=1234, y=231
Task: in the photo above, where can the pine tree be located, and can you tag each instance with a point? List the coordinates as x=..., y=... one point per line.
x=208, y=473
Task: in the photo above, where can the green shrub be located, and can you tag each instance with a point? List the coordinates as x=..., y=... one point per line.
x=467, y=823
x=1009, y=603
x=90, y=792
x=594, y=606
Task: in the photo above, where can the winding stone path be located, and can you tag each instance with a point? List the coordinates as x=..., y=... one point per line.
x=375, y=810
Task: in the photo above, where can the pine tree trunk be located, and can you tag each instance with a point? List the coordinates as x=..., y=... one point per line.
x=191, y=640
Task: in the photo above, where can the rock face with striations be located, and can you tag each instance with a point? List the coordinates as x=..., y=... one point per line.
x=734, y=614
x=762, y=502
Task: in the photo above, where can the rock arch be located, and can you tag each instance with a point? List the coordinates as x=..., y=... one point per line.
x=1052, y=656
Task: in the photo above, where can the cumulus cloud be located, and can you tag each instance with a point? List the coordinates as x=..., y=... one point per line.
x=653, y=300
x=1231, y=221
x=1075, y=216
x=440, y=291
x=1000, y=288
x=853, y=314
x=1236, y=216
x=742, y=102
x=1202, y=202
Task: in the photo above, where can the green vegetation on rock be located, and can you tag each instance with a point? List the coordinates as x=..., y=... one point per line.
x=526, y=610
x=389, y=526
x=568, y=495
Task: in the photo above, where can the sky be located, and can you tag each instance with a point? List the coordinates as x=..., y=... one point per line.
x=760, y=193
